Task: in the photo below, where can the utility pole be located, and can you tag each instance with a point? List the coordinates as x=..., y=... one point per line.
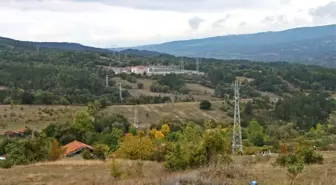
x=182, y=65
x=135, y=119
x=120, y=93
x=107, y=81
x=237, y=137
x=37, y=48
x=197, y=64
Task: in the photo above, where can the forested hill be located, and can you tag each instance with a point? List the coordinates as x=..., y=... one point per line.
x=47, y=45
x=309, y=45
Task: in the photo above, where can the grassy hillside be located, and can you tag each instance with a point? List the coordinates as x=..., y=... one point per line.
x=38, y=117
x=34, y=116
x=179, y=111
x=73, y=172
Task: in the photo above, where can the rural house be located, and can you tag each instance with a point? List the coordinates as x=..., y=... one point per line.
x=76, y=147
x=19, y=133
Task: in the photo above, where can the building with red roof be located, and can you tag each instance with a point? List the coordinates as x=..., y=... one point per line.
x=76, y=147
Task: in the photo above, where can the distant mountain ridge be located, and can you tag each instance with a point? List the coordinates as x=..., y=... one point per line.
x=308, y=45
x=53, y=45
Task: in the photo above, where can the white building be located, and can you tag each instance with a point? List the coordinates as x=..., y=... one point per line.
x=138, y=69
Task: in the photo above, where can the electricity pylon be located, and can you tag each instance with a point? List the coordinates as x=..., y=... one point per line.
x=107, y=81
x=120, y=93
x=136, y=119
x=237, y=136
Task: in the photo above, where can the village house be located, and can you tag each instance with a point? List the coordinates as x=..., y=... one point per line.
x=75, y=148
x=19, y=133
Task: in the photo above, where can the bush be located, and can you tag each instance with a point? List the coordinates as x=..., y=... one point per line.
x=285, y=160
x=87, y=155
x=176, y=159
x=115, y=170
x=310, y=156
x=140, y=85
x=100, y=151
x=8, y=163
x=307, y=156
x=205, y=105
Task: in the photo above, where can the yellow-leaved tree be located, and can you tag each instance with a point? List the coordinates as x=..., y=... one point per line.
x=159, y=134
x=165, y=129
x=55, y=151
x=135, y=147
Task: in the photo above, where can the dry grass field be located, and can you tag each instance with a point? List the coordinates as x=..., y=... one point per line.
x=38, y=117
x=244, y=169
x=153, y=113
x=35, y=117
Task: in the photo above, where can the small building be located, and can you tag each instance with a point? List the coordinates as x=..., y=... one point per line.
x=19, y=133
x=76, y=147
x=138, y=69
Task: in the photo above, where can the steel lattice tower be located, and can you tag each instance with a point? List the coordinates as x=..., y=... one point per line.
x=136, y=119
x=120, y=93
x=236, y=136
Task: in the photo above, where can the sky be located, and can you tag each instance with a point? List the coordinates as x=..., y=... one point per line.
x=124, y=23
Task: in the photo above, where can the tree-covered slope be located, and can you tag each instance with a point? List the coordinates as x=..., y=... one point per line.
x=47, y=45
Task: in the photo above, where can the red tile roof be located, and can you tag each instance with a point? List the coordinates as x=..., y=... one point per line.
x=76, y=146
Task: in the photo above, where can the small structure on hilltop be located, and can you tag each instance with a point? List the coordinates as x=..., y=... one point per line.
x=76, y=147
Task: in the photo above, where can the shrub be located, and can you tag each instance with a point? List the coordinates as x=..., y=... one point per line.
x=176, y=159
x=205, y=105
x=310, y=156
x=294, y=170
x=100, y=151
x=115, y=170
x=87, y=155
x=140, y=85
x=8, y=163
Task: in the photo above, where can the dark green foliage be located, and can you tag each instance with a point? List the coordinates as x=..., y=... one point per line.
x=172, y=137
x=104, y=102
x=307, y=111
x=289, y=159
x=306, y=155
x=7, y=163
x=50, y=130
x=140, y=85
x=87, y=155
x=67, y=138
x=205, y=105
x=257, y=139
x=131, y=79
x=248, y=109
x=105, y=123
x=310, y=156
x=176, y=160
x=28, y=150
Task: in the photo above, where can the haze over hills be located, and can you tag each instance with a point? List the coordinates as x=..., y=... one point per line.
x=308, y=45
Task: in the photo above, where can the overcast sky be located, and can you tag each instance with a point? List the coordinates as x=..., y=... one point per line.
x=110, y=23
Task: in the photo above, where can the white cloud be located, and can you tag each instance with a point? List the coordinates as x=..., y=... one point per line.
x=105, y=23
x=195, y=22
